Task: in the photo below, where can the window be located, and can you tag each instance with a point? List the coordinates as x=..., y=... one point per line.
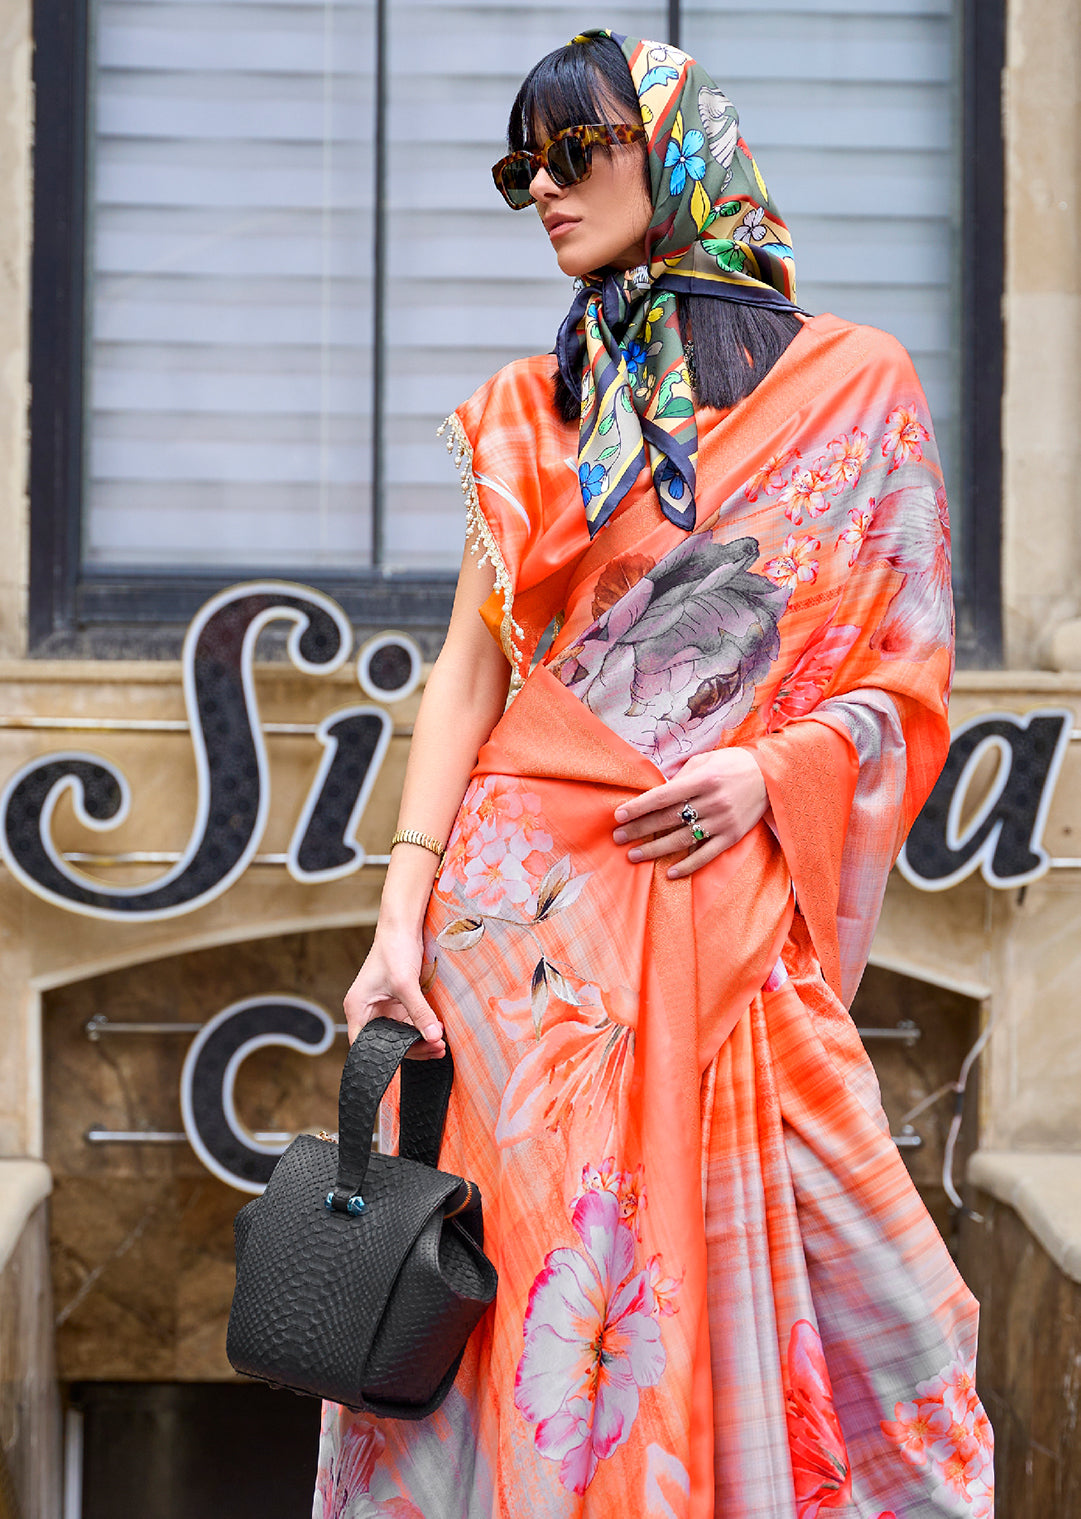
x=269, y=259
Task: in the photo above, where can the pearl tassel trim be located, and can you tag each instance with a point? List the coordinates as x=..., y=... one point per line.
x=482, y=543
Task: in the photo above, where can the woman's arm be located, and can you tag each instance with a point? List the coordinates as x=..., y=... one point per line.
x=463, y=700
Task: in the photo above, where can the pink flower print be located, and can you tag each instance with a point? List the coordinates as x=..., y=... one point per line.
x=495, y=806
x=844, y=460
x=493, y=809
x=794, y=563
x=983, y=1504
x=627, y=1186
x=955, y=1388
x=504, y=810
x=911, y=533
x=805, y=684
x=859, y=525
x=463, y=845
x=910, y=1430
x=591, y=1343
x=946, y=1430
x=819, y=1457
x=806, y=492
x=771, y=476
x=664, y=1288
x=959, y=1472
x=344, y=1484
x=503, y=807
x=981, y=1428
x=903, y=437
x=495, y=876
x=581, y=1065
x=949, y=1434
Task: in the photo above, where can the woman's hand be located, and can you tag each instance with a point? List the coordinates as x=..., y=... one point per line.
x=388, y=986
x=725, y=788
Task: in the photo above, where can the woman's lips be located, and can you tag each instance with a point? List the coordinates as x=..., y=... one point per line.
x=558, y=225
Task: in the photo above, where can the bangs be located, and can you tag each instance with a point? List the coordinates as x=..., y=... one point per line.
x=572, y=86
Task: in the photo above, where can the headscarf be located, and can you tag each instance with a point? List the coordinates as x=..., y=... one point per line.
x=715, y=232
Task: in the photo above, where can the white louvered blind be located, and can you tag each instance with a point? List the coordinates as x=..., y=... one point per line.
x=848, y=107
x=231, y=299
x=472, y=284
x=851, y=110
x=229, y=305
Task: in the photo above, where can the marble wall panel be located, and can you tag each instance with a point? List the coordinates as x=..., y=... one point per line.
x=142, y=1252
x=909, y=1073
x=29, y=1407
x=1029, y=1370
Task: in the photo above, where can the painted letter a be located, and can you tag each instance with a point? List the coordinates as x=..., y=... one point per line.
x=1003, y=835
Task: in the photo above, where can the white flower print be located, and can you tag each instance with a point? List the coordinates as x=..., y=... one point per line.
x=750, y=228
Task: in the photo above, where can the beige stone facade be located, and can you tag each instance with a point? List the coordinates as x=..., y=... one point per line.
x=1009, y=958
x=1042, y=449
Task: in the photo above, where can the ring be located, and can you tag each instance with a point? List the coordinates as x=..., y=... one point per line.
x=689, y=815
x=700, y=834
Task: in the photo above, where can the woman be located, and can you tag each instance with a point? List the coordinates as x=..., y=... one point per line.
x=719, y=1292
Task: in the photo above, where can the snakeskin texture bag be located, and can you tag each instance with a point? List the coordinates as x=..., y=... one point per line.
x=360, y=1276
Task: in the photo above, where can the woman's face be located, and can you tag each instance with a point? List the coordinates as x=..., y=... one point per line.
x=601, y=221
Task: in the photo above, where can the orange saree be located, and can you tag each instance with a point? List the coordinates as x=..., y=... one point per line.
x=719, y=1293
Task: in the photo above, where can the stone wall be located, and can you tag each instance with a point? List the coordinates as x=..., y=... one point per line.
x=1042, y=444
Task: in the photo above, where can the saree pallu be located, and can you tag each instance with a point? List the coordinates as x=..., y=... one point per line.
x=719, y=1293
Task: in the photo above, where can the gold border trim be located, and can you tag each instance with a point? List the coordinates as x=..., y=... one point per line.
x=482, y=542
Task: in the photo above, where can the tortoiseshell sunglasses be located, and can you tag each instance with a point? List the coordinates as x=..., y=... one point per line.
x=568, y=158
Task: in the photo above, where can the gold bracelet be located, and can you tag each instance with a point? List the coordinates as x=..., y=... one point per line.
x=425, y=840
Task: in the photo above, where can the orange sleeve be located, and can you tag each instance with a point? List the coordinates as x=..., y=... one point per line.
x=810, y=771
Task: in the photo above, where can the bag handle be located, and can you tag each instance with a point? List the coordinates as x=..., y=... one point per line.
x=373, y=1058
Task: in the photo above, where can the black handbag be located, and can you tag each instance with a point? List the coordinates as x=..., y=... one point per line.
x=360, y=1276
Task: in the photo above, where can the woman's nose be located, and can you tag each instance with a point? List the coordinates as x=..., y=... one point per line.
x=542, y=186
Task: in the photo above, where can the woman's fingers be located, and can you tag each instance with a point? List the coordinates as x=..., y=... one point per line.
x=666, y=819
x=402, y=1001
x=700, y=855
x=668, y=843
x=420, y=1015
x=681, y=842
x=656, y=799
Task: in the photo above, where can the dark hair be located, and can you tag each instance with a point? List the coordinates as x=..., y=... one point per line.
x=735, y=344
x=575, y=84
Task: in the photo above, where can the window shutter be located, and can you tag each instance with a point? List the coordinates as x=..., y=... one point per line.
x=229, y=406
x=850, y=111
x=230, y=232
x=472, y=285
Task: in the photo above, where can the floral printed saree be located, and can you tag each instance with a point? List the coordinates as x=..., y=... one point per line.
x=719, y=1293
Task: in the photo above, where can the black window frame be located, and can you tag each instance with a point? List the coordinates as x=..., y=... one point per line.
x=79, y=613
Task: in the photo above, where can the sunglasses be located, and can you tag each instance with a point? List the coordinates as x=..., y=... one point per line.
x=568, y=159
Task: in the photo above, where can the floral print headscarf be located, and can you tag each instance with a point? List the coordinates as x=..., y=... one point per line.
x=715, y=232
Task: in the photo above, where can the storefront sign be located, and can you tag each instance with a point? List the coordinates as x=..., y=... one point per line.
x=233, y=786
x=215, y=1133
x=1002, y=837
